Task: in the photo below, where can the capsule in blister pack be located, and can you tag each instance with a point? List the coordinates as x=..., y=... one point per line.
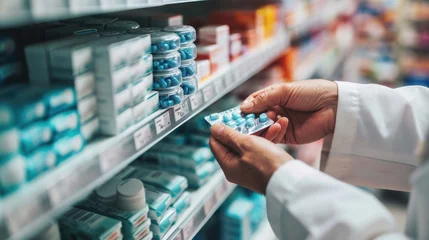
x=244, y=123
x=186, y=33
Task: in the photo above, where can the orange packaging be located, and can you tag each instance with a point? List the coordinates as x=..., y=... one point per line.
x=270, y=19
x=240, y=20
x=235, y=46
x=203, y=70
x=211, y=53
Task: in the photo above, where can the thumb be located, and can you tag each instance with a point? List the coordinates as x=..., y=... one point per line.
x=228, y=137
x=264, y=99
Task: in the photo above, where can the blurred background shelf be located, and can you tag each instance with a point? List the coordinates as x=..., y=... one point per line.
x=17, y=13
x=35, y=204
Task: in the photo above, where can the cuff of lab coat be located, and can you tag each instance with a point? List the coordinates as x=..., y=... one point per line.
x=281, y=188
x=346, y=119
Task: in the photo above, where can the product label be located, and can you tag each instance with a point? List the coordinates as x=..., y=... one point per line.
x=208, y=93
x=162, y=122
x=196, y=101
x=142, y=137
x=181, y=110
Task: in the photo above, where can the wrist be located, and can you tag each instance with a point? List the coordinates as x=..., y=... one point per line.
x=332, y=105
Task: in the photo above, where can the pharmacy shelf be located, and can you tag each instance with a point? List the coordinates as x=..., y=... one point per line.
x=311, y=63
x=264, y=232
x=49, y=196
x=15, y=13
x=204, y=203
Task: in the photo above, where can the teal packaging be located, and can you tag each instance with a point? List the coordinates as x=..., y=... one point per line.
x=190, y=156
x=64, y=123
x=60, y=99
x=173, y=184
x=131, y=220
x=40, y=161
x=12, y=173
x=176, y=139
x=199, y=140
x=236, y=220
x=68, y=146
x=182, y=203
x=81, y=224
x=158, y=202
x=21, y=108
x=35, y=135
x=10, y=142
x=167, y=221
x=199, y=175
x=169, y=162
x=143, y=231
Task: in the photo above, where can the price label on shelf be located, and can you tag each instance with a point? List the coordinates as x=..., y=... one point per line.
x=218, y=85
x=142, y=137
x=162, y=122
x=188, y=230
x=181, y=110
x=196, y=101
x=208, y=93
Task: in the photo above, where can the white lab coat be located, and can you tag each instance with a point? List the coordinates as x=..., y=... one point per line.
x=374, y=144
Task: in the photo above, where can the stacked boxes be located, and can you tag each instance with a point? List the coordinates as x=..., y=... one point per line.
x=40, y=129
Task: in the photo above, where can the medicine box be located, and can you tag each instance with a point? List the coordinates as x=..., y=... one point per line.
x=219, y=35
x=173, y=184
x=72, y=60
x=87, y=108
x=158, y=202
x=37, y=57
x=149, y=105
x=83, y=84
x=81, y=224
x=203, y=70
x=165, y=20
x=112, y=125
x=166, y=222
x=131, y=220
x=90, y=128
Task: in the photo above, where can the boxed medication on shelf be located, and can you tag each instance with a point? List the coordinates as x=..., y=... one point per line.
x=71, y=60
x=158, y=203
x=21, y=109
x=112, y=82
x=83, y=84
x=149, y=105
x=37, y=134
x=12, y=173
x=59, y=99
x=166, y=222
x=10, y=139
x=87, y=108
x=203, y=70
x=78, y=223
x=112, y=125
x=68, y=146
x=235, y=46
x=164, y=20
x=141, y=87
x=236, y=220
x=175, y=185
x=63, y=124
x=132, y=221
x=190, y=156
x=39, y=161
x=212, y=53
x=138, y=45
x=141, y=68
x=198, y=176
x=219, y=35
x=110, y=54
x=37, y=57
x=182, y=203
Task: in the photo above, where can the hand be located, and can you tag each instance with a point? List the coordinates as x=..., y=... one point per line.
x=246, y=160
x=305, y=111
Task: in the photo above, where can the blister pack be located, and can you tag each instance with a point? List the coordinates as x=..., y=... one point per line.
x=244, y=123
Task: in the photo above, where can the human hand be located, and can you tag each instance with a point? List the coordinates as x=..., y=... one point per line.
x=246, y=160
x=305, y=111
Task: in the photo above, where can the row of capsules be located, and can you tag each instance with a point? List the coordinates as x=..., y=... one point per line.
x=174, y=68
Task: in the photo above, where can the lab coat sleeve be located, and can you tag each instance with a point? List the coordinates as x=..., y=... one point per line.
x=304, y=203
x=376, y=133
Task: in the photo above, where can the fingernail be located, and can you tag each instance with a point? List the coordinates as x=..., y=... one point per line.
x=247, y=104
